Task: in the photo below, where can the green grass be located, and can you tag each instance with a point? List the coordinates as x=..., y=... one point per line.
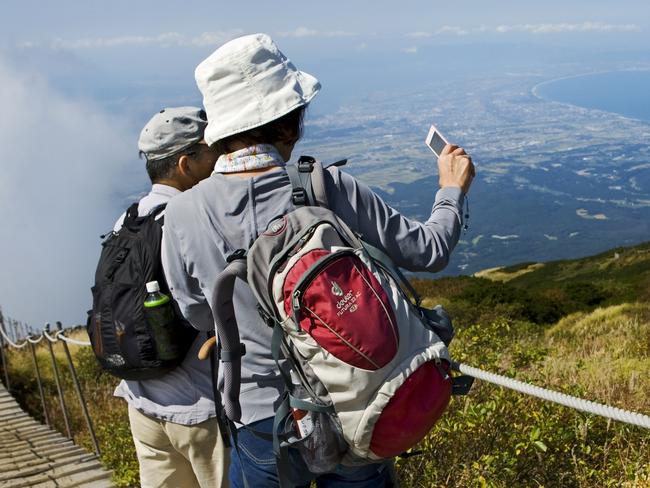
x=499, y=438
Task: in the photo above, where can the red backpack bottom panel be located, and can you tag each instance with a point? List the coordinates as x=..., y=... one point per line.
x=412, y=411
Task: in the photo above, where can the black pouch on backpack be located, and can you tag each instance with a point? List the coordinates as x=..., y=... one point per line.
x=439, y=321
x=123, y=341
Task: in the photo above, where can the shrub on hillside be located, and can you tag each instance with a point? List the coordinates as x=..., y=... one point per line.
x=512, y=301
x=584, y=294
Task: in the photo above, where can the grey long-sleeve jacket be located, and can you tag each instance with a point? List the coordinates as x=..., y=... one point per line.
x=224, y=213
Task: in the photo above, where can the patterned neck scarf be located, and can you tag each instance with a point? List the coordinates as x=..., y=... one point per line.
x=253, y=157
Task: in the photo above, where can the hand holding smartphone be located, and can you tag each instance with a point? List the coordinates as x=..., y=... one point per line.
x=455, y=166
x=436, y=141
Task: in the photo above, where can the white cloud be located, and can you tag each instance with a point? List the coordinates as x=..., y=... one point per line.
x=306, y=32
x=565, y=27
x=451, y=29
x=164, y=40
x=583, y=27
x=410, y=50
x=62, y=163
x=445, y=29
x=214, y=38
x=299, y=32
x=174, y=39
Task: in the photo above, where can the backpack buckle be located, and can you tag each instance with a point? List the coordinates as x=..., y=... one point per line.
x=461, y=385
x=266, y=317
x=238, y=254
x=299, y=196
x=230, y=356
x=305, y=164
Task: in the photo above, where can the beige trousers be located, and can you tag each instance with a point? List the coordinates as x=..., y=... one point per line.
x=179, y=456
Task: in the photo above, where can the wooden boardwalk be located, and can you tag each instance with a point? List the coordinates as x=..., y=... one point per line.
x=32, y=454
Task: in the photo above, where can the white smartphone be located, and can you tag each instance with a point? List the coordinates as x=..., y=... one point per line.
x=435, y=141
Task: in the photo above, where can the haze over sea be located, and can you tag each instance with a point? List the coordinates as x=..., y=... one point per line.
x=622, y=92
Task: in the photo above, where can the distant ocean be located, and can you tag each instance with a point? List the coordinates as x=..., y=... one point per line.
x=622, y=92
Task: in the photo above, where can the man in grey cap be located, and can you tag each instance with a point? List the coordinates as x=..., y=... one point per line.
x=173, y=418
x=176, y=155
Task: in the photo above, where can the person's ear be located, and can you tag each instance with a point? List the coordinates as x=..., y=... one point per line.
x=184, y=165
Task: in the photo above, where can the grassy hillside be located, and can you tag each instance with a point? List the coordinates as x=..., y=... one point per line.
x=580, y=326
x=618, y=275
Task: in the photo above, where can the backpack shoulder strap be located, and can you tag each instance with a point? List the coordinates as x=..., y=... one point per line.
x=131, y=215
x=231, y=349
x=301, y=186
x=158, y=213
x=307, y=178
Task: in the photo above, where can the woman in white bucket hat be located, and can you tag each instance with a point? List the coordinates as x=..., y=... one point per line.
x=255, y=100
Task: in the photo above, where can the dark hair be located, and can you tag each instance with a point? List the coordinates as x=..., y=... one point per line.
x=290, y=124
x=159, y=169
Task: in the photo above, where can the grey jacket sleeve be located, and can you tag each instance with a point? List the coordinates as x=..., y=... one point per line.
x=185, y=288
x=411, y=245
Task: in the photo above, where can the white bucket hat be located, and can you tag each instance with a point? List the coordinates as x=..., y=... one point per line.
x=247, y=83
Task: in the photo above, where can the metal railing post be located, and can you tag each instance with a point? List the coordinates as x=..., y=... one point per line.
x=59, y=388
x=77, y=386
x=5, y=365
x=14, y=326
x=40, y=385
x=5, y=359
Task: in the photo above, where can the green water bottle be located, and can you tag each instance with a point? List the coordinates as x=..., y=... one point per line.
x=159, y=313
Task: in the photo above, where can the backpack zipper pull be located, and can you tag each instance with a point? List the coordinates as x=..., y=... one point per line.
x=295, y=305
x=441, y=369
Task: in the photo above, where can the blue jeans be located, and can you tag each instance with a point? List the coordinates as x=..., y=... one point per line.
x=255, y=457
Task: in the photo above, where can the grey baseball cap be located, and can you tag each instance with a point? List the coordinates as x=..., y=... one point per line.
x=171, y=130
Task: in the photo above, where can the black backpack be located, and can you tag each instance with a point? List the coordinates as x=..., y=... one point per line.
x=122, y=340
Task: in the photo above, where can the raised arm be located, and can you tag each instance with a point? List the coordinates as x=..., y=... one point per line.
x=412, y=245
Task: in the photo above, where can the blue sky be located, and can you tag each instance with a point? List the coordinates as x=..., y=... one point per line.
x=79, y=78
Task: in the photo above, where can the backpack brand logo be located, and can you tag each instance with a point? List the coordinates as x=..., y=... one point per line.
x=348, y=303
x=336, y=289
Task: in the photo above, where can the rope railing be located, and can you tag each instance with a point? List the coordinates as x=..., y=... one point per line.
x=50, y=338
x=625, y=416
x=59, y=335
x=12, y=343
x=32, y=340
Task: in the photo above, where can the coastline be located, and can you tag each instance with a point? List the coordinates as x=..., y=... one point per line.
x=535, y=91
